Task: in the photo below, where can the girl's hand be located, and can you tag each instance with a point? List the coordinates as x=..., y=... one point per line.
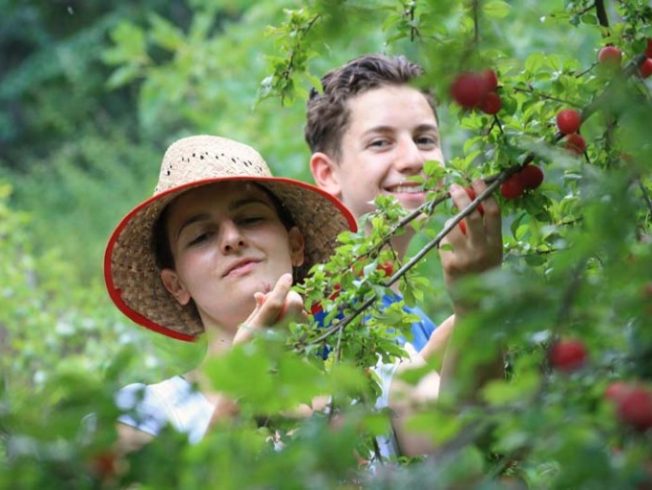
x=271, y=308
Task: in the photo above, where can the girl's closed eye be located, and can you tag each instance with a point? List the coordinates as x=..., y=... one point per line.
x=251, y=220
x=199, y=238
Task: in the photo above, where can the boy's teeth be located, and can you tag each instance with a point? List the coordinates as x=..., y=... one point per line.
x=407, y=189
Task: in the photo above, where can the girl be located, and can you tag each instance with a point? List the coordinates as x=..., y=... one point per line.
x=214, y=252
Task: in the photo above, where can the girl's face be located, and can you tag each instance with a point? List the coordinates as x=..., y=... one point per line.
x=228, y=243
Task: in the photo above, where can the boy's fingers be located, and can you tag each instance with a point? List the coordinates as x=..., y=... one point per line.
x=485, y=235
x=492, y=217
x=462, y=200
x=454, y=237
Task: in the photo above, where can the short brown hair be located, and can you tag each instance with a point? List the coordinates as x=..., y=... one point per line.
x=327, y=112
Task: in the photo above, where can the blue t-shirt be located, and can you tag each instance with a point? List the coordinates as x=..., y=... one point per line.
x=421, y=330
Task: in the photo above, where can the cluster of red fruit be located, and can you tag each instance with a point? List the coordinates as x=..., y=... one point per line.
x=611, y=57
x=474, y=90
x=567, y=355
x=646, y=67
x=387, y=268
x=568, y=122
x=633, y=402
x=527, y=178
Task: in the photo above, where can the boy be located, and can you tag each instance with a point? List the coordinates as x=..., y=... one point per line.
x=369, y=132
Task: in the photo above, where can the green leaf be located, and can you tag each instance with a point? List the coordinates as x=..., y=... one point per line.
x=166, y=34
x=496, y=9
x=502, y=392
x=123, y=76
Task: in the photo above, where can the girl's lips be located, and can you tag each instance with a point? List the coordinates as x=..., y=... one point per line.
x=241, y=268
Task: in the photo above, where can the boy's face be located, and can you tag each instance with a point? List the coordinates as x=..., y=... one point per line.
x=392, y=131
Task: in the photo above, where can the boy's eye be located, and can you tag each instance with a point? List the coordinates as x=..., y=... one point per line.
x=379, y=143
x=427, y=141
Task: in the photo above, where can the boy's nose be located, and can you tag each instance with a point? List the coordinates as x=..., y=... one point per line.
x=231, y=238
x=410, y=158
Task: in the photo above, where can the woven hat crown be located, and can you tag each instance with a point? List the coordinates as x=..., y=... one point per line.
x=196, y=158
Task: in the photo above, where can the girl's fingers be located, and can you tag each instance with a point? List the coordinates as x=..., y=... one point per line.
x=294, y=307
x=273, y=303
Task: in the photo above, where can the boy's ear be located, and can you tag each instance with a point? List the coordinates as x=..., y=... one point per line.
x=173, y=284
x=297, y=246
x=325, y=171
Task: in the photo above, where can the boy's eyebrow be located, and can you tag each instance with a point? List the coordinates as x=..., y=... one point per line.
x=389, y=129
x=428, y=127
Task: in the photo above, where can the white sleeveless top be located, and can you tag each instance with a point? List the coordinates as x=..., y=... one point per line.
x=149, y=408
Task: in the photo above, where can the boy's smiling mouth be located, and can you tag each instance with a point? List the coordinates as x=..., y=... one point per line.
x=405, y=188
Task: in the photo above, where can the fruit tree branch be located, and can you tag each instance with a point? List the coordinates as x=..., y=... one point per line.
x=601, y=12
x=630, y=69
x=646, y=196
x=495, y=181
x=537, y=93
x=571, y=292
x=476, y=22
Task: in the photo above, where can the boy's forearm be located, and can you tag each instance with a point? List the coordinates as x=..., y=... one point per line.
x=436, y=345
x=406, y=400
x=483, y=372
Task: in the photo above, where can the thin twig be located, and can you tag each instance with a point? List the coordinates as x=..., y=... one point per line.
x=601, y=12
x=500, y=126
x=571, y=292
x=290, y=65
x=476, y=23
x=586, y=9
x=582, y=73
x=413, y=30
x=628, y=71
x=537, y=93
x=646, y=196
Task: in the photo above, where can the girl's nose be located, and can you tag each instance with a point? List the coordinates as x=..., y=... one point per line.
x=231, y=238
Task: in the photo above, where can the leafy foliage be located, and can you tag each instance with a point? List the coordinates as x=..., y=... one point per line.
x=577, y=257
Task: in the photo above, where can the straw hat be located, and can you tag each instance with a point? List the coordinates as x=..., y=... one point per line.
x=130, y=271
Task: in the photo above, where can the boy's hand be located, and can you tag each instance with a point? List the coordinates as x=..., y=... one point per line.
x=481, y=248
x=271, y=308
